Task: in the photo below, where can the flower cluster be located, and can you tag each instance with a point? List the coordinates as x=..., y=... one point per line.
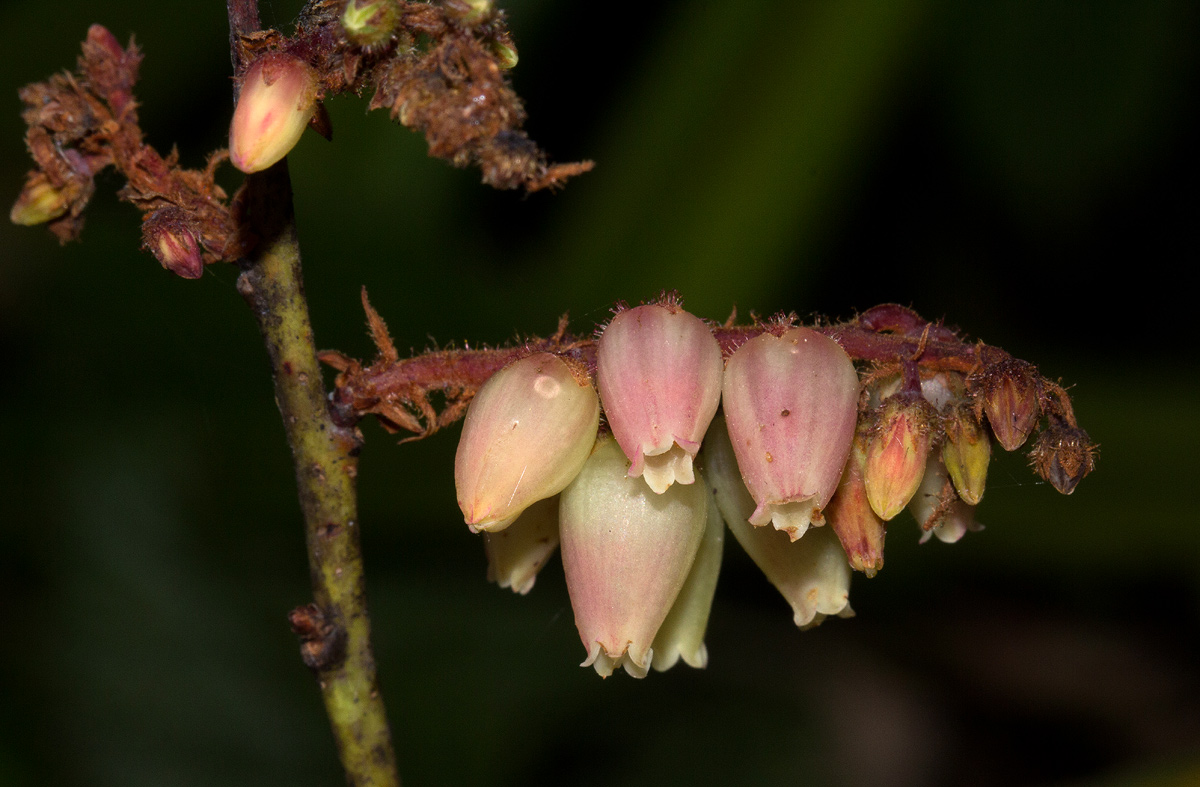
x=807, y=461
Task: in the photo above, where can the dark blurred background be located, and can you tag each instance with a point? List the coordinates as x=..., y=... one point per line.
x=1024, y=170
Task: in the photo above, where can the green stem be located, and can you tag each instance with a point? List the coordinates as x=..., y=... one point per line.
x=335, y=630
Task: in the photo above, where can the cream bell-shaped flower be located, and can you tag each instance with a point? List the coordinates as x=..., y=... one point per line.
x=659, y=374
x=517, y=553
x=938, y=510
x=812, y=574
x=626, y=552
x=526, y=434
x=682, y=633
x=277, y=100
x=791, y=403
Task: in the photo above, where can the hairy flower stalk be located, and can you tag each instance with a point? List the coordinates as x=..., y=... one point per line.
x=659, y=375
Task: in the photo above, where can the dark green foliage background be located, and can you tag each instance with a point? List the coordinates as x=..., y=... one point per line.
x=1024, y=170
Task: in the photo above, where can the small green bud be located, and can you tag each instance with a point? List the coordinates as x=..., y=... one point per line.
x=39, y=203
x=369, y=23
x=506, y=54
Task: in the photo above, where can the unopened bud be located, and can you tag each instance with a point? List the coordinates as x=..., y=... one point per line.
x=859, y=530
x=938, y=509
x=791, y=403
x=626, y=552
x=39, y=202
x=277, y=100
x=517, y=553
x=896, y=451
x=1063, y=455
x=526, y=435
x=469, y=12
x=505, y=52
x=966, y=453
x=369, y=23
x=812, y=574
x=658, y=369
x=1009, y=391
x=170, y=235
x=682, y=633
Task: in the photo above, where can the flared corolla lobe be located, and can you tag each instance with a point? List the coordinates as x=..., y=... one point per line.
x=626, y=552
x=277, y=100
x=791, y=406
x=682, y=633
x=517, y=553
x=812, y=574
x=938, y=510
x=659, y=373
x=526, y=435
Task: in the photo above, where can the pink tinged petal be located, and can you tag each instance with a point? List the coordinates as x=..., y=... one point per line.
x=276, y=102
x=897, y=447
x=813, y=573
x=791, y=402
x=659, y=373
x=938, y=510
x=626, y=552
x=516, y=554
x=682, y=633
x=526, y=435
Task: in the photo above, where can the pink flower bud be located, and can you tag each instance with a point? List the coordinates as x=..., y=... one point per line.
x=172, y=237
x=659, y=374
x=682, y=633
x=938, y=509
x=517, y=553
x=812, y=574
x=791, y=405
x=278, y=98
x=850, y=515
x=527, y=433
x=626, y=552
x=897, y=447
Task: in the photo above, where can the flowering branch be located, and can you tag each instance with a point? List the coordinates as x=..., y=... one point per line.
x=885, y=339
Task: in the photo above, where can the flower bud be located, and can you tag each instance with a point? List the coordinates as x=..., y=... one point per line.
x=812, y=574
x=1010, y=399
x=369, y=23
x=682, y=633
x=791, y=405
x=506, y=53
x=1063, y=455
x=172, y=237
x=659, y=373
x=468, y=12
x=966, y=453
x=277, y=100
x=626, y=552
x=517, y=553
x=39, y=202
x=526, y=434
x=896, y=450
x=938, y=510
x=853, y=520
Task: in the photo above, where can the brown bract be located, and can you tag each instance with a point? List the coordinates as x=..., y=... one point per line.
x=81, y=122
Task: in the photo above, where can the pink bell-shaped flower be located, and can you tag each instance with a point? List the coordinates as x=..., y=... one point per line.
x=277, y=100
x=517, y=553
x=812, y=574
x=791, y=403
x=526, y=434
x=626, y=552
x=682, y=633
x=659, y=374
